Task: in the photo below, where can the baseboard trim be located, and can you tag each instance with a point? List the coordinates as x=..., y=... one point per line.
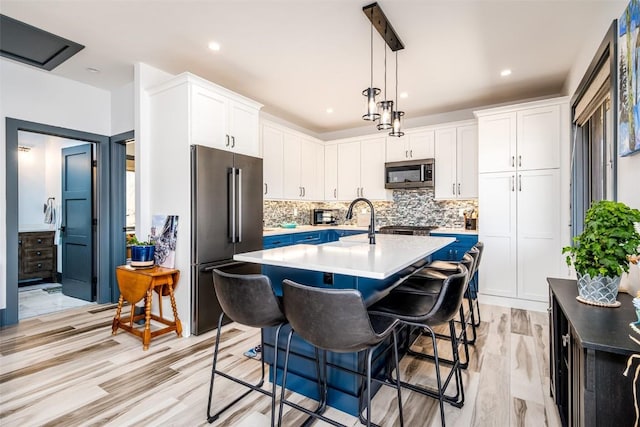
x=513, y=303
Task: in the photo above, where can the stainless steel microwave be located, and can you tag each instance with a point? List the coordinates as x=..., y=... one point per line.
x=409, y=174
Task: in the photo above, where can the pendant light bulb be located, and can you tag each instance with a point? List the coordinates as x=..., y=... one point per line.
x=371, y=92
x=396, y=117
x=386, y=106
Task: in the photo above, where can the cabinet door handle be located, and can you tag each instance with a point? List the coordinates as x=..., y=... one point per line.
x=39, y=266
x=410, y=153
x=266, y=188
x=361, y=191
x=39, y=240
x=38, y=253
x=519, y=161
x=304, y=192
x=227, y=140
x=519, y=182
x=406, y=154
x=513, y=161
x=453, y=188
x=458, y=189
x=233, y=141
x=299, y=191
x=335, y=193
x=512, y=183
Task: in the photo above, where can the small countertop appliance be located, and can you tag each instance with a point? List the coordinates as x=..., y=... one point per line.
x=324, y=217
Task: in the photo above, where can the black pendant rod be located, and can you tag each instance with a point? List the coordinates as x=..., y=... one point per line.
x=379, y=20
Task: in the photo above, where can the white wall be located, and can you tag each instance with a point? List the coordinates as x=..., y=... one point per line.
x=34, y=95
x=122, y=105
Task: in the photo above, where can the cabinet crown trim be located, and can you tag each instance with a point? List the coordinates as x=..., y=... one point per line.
x=522, y=106
x=187, y=77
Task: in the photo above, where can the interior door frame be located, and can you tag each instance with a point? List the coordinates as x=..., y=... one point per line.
x=9, y=315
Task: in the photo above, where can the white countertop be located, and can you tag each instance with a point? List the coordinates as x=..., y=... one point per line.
x=277, y=231
x=352, y=255
x=454, y=231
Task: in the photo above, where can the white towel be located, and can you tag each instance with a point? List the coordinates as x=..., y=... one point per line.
x=50, y=211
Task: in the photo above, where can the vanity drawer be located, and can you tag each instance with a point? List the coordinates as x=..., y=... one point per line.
x=38, y=254
x=36, y=240
x=44, y=266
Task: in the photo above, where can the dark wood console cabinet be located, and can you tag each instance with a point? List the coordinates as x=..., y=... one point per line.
x=589, y=350
x=37, y=255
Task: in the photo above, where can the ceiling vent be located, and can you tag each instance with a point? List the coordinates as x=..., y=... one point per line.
x=33, y=46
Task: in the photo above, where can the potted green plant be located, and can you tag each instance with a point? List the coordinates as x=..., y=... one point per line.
x=142, y=253
x=600, y=253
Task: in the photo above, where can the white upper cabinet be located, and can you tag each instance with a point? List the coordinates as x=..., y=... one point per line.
x=539, y=138
x=412, y=146
x=526, y=139
x=208, y=114
x=221, y=119
x=303, y=168
x=331, y=172
x=273, y=161
x=456, y=162
x=361, y=169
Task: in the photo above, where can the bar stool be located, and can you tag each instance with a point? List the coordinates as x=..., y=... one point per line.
x=439, y=267
x=248, y=300
x=429, y=281
x=426, y=311
x=336, y=320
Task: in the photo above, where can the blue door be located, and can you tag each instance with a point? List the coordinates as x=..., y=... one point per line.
x=76, y=229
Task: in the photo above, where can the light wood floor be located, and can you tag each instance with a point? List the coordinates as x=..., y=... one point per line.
x=66, y=369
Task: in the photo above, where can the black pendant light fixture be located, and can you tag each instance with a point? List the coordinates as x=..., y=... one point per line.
x=387, y=116
x=386, y=106
x=396, y=116
x=371, y=92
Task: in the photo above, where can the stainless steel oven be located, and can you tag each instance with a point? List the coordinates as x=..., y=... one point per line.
x=409, y=174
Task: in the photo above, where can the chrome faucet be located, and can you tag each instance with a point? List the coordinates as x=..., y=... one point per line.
x=372, y=222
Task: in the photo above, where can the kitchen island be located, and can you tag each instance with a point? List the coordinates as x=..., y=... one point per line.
x=350, y=263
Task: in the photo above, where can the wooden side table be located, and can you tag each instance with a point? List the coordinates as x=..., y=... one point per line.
x=136, y=284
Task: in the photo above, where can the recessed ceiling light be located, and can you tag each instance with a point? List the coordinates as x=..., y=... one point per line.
x=92, y=70
x=505, y=73
x=329, y=110
x=215, y=46
x=404, y=95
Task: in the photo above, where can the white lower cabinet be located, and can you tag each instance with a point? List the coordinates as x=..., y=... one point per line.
x=361, y=169
x=520, y=228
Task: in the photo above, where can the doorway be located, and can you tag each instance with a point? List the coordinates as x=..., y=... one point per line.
x=56, y=206
x=109, y=213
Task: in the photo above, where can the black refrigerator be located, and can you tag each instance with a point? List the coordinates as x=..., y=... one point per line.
x=226, y=218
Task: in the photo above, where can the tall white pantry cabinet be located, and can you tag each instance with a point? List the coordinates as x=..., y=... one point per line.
x=519, y=197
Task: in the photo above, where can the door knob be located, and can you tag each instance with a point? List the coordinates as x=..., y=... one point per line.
x=63, y=228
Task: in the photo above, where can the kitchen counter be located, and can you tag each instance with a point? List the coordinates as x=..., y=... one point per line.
x=276, y=231
x=443, y=230
x=352, y=255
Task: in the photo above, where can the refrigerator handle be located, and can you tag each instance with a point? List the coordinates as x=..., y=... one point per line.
x=232, y=204
x=239, y=199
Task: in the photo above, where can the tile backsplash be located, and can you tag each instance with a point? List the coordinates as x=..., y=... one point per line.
x=409, y=207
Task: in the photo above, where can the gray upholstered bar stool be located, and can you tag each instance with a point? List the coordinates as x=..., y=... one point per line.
x=336, y=320
x=427, y=311
x=248, y=300
x=430, y=282
x=437, y=268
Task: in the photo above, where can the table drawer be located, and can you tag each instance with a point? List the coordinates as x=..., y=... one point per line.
x=38, y=254
x=38, y=266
